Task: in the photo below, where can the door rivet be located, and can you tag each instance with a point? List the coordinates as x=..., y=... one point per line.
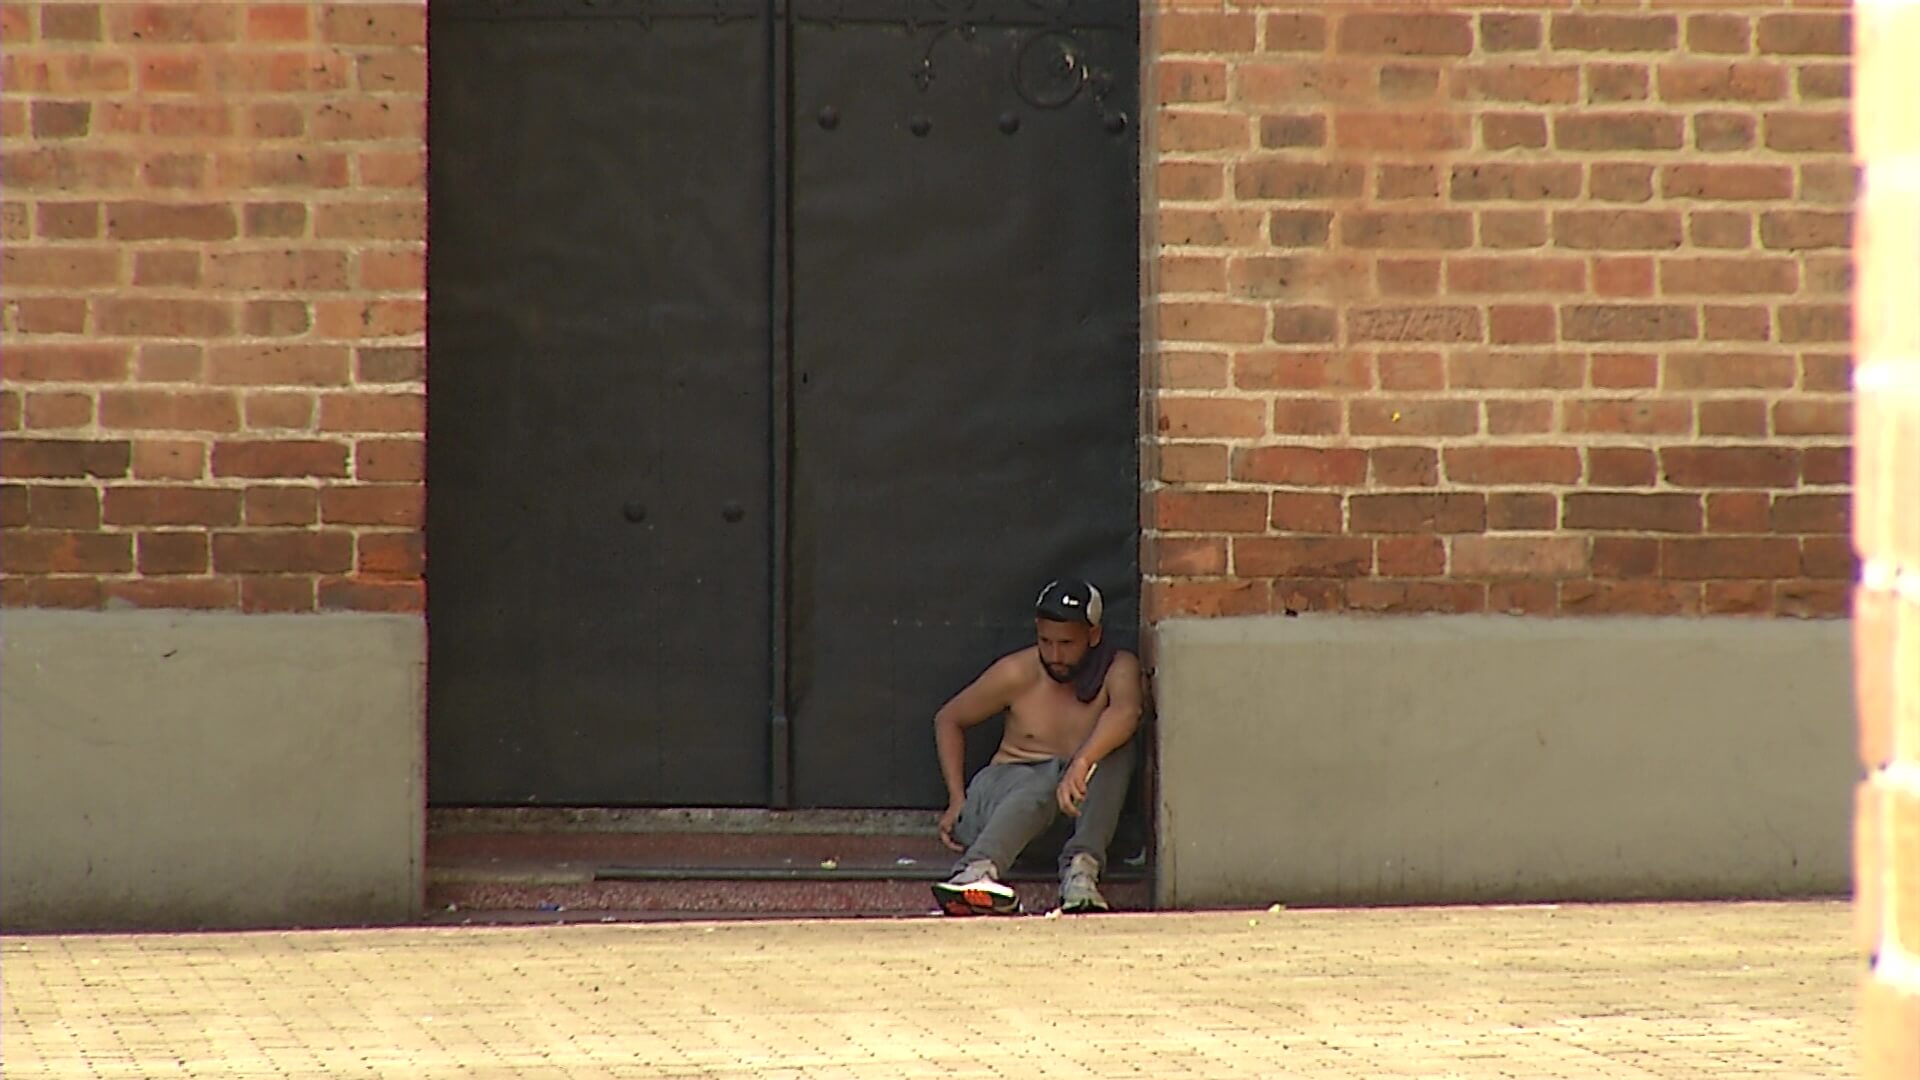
x=1116, y=122
x=920, y=125
x=634, y=512
x=732, y=512
x=1009, y=123
x=829, y=118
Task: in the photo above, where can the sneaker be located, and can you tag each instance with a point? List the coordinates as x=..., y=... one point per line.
x=1079, y=888
x=976, y=890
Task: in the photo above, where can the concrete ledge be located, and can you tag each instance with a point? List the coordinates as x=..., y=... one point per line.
x=177, y=770
x=1431, y=760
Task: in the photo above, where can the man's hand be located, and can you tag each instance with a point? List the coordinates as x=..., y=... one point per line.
x=1073, y=786
x=947, y=822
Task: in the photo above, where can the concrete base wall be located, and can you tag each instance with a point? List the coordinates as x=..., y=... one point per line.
x=1330, y=760
x=176, y=770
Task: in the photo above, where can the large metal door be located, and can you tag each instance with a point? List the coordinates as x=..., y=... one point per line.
x=598, y=462
x=780, y=350
x=966, y=360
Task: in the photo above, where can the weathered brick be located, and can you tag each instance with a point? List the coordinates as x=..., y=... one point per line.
x=1614, y=33
x=1405, y=34
x=1414, y=417
x=1693, y=82
x=1808, y=132
x=1472, y=183
x=1519, y=557
x=1296, y=466
x=282, y=552
x=1804, y=34
x=1205, y=32
x=1628, y=322
x=279, y=458
x=1700, y=558
x=1415, y=323
x=1610, y=84
x=1610, y=512
x=1408, y=182
x=1209, y=511
x=1510, y=32
x=1456, y=512
x=1178, y=418
x=171, y=505
x=1512, y=465
x=1721, y=467
x=1617, y=230
x=1611, y=131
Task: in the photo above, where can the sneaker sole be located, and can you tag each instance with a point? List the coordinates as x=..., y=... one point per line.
x=1085, y=909
x=964, y=901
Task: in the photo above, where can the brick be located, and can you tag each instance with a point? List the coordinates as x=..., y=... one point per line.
x=1738, y=511
x=1519, y=417
x=281, y=552
x=1633, y=417
x=1619, y=467
x=169, y=459
x=1826, y=372
x=1514, y=371
x=278, y=271
x=1721, y=229
x=1177, y=371
x=403, y=554
x=1735, y=323
x=1628, y=322
x=1719, y=467
x=1724, y=276
x=1512, y=465
x=355, y=595
x=1509, y=229
x=1614, y=33
x=1519, y=557
x=1189, y=80
x=1628, y=598
x=206, y=594
x=281, y=505
x=1209, y=511
x=369, y=119
x=371, y=221
x=1290, y=132
x=1412, y=418
x=1406, y=230
x=1609, y=512
x=1208, y=228
x=275, y=219
x=392, y=73
x=1806, y=34
x=60, y=268
x=1527, y=511
x=1212, y=322
x=60, y=119
x=68, y=220
x=1306, y=512
x=1617, y=230
x=1295, y=416
x=1540, y=598
x=1176, y=556
x=1703, y=558
x=1623, y=371
x=1826, y=275
x=1510, y=32
x=1415, y=323
x=1408, y=277
x=1826, y=465
x=1808, y=132
x=1189, y=181
x=1746, y=419
x=1411, y=371
x=1188, y=463
x=279, y=411
x=170, y=221
x=374, y=24
x=1512, y=131
x=1799, y=417
x=1627, y=557
x=163, y=268
x=171, y=506
x=1297, y=181
x=1179, y=132
x=170, y=318
x=1405, y=34
x=169, y=410
x=1299, y=466
x=66, y=458
x=1206, y=33
x=1417, y=597
x=1610, y=84
x=1724, y=34
x=277, y=458
x=275, y=318
x=1736, y=598
x=1403, y=466
x=1471, y=183
x=169, y=362
x=389, y=460
x=56, y=552
x=1295, y=32
x=279, y=22
x=1291, y=370
x=1612, y=131
x=70, y=22
x=1801, y=323
x=1269, y=277
x=392, y=169
x=1811, y=514
x=1623, y=278
x=399, y=505
x=1192, y=274
x=280, y=593
x=264, y=169
x=1409, y=82
x=1620, y=182
x=1728, y=182
x=1824, y=82
x=1401, y=131
x=1720, y=133
x=171, y=553
x=1694, y=82
x=1303, y=83
x=1295, y=323
x=1332, y=556
x=13, y=506
x=46, y=315
x=61, y=507
x=1455, y=512
x=177, y=23
x=1178, y=417
x=1410, y=556
x=279, y=365
x=1517, y=324
x=1519, y=83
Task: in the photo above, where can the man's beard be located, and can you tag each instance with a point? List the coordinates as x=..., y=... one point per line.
x=1071, y=671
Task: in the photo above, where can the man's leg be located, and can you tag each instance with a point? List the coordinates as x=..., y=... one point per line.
x=1016, y=804
x=1093, y=831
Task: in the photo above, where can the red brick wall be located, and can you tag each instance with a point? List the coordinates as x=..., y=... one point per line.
x=1887, y=532
x=214, y=305
x=1527, y=307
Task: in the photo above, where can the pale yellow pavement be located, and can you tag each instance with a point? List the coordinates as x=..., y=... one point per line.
x=1729, y=990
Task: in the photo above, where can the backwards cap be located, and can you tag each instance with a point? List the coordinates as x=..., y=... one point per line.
x=1070, y=600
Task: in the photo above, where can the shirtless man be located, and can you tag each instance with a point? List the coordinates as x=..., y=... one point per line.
x=1072, y=704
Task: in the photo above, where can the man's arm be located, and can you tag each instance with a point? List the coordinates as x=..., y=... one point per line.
x=985, y=697
x=1117, y=723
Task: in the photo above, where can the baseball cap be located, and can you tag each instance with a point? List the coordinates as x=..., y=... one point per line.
x=1069, y=600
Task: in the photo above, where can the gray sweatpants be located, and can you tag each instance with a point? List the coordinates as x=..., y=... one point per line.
x=1010, y=804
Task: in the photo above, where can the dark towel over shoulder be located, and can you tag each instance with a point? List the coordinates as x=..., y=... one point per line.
x=1093, y=672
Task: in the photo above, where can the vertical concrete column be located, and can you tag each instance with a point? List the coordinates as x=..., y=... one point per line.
x=1887, y=529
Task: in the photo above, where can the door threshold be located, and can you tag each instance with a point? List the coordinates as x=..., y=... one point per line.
x=597, y=819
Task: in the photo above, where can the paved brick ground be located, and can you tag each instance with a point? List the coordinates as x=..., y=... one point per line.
x=1729, y=990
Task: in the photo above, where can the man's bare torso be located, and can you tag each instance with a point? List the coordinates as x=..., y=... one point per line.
x=1045, y=720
